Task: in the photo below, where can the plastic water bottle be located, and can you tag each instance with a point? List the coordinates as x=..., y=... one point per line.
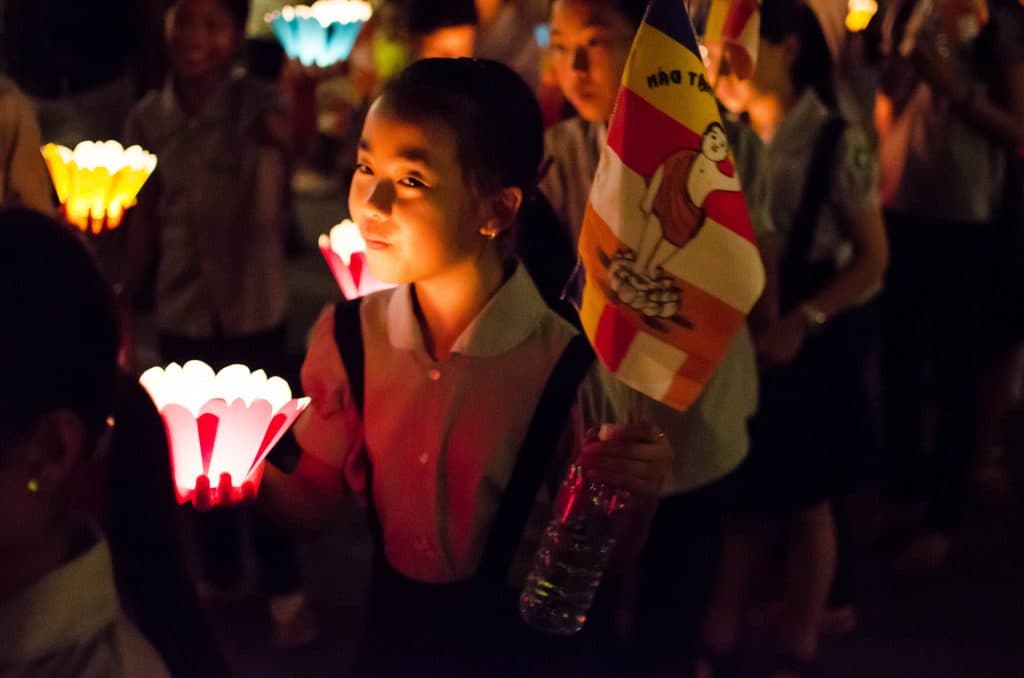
x=572, y=555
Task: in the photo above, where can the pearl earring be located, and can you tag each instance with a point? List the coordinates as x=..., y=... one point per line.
x=33, y=485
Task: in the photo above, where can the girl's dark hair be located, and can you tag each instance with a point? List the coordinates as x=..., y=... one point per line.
x=422, y=17
x=59, y=336
x=493, y=114
x=238, y=9
x=633, y=10
x=813, y=66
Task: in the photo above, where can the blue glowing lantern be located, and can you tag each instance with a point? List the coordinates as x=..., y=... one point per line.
x=322, y=34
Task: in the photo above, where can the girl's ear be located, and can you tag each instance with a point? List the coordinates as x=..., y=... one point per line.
x=503, y=209
x=59, y=440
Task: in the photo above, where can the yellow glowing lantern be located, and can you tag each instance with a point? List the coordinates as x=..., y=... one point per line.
x=97, y=181
x=859, y=14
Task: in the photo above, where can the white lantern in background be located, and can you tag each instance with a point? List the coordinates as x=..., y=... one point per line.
x=345, y=252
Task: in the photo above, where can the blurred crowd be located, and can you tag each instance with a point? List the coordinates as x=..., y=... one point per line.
x=859, y=413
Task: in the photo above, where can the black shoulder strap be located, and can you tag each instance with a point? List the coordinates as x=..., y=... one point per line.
x=534, y=459
x=348, y=335
x=815, y=191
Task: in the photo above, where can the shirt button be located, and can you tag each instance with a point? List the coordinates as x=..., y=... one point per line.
x=424, y=458
x=433, y=374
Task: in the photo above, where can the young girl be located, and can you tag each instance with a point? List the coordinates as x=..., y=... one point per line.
x=60, y=612
x=213, y=222
x=442, y=403
x=813, y=418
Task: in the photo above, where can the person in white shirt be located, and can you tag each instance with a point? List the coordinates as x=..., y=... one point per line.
x=59, y=610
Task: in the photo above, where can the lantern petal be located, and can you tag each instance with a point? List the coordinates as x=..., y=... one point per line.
x=186, y=453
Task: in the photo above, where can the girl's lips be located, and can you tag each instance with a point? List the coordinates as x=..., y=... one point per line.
x=376, y=244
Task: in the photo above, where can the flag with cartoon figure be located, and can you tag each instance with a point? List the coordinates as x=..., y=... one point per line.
x=667, y=243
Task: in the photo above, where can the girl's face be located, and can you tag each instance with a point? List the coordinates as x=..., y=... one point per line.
x=409, y=198
x=201, y=38
x=20, y=464
x=590, y=41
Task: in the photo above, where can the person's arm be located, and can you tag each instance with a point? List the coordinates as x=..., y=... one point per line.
x=310, y=499
x=855, y=198
x=28, y=182
x=1003, y=122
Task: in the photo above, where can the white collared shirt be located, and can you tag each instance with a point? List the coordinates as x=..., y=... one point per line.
x=70, y=623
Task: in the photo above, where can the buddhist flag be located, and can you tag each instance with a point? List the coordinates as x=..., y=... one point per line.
x=736, y=25
x=667, y=244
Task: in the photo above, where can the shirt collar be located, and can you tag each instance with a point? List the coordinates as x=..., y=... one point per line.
x=215, y=108
x=66, y=608
x=512, y=314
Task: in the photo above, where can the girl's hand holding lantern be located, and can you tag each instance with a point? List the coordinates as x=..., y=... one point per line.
x=220, y=428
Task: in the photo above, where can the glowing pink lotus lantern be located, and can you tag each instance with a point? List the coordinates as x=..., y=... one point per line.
x=345, y=252
x=220, y=427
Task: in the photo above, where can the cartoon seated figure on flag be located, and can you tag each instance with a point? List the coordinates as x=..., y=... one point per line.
x=674, y=211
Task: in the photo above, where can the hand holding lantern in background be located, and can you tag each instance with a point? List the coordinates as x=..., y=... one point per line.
x=97, y=181
x=220, y=427
x=345, y=252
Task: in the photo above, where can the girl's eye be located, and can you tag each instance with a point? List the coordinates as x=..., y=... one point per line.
x=558, y=48
x=597, y=42
x=412, y=182
x=363, y=168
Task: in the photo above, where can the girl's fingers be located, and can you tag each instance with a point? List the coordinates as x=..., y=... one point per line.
x=655, y=450
x=201, y=500
x=636, y=467
x=641, y=432
x=636, y=485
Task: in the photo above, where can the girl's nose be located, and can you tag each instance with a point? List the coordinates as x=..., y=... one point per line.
x=380, y=199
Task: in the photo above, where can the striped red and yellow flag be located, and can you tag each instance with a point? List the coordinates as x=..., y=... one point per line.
x=667, y=243
x=736, y=25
